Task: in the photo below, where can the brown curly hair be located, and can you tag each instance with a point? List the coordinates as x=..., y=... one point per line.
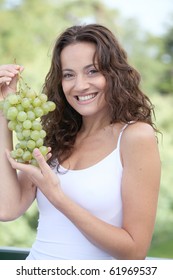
x=123, y=95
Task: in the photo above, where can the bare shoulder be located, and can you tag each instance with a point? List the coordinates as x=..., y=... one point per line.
x=139, y=139
x=138, y=131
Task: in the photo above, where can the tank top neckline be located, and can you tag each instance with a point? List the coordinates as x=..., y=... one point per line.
x=100, y=161
x=89, y=167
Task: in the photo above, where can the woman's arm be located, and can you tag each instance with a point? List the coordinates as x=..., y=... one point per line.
x=16, y=191
x=140, y=184
x=140, y=187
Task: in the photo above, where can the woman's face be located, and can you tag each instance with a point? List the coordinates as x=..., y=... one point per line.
x=82, y=83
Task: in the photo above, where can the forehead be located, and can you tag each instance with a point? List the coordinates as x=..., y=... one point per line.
x=78, y=53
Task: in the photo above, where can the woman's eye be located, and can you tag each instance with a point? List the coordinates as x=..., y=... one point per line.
x=93, y=71
x=67, y=75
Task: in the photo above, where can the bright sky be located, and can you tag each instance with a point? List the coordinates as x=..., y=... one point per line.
x=151, y=14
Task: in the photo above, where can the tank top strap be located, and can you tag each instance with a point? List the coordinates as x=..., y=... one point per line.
x=120, y=135
x=121, y=132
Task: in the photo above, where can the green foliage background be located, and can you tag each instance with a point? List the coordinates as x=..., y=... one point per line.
x=27, y=34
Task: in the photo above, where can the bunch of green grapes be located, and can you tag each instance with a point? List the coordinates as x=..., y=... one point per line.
x=24, y=110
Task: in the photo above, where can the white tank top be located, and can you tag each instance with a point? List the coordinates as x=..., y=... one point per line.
x=98, y=190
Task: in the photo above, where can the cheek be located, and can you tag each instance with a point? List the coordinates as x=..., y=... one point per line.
x=102, y=83
x=66, y=89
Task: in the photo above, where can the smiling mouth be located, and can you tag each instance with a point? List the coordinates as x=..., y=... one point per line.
x=86, y=97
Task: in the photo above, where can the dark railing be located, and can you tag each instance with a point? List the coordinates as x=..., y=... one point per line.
x=18, y=253
x=13, y=253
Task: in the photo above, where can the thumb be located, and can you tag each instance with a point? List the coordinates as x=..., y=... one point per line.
x=13, y=84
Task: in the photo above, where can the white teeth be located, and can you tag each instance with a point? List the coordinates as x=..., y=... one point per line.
x=86, y=97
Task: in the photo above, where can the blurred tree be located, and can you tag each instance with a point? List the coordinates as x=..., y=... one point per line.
x=143, y=49
x=31, y=27
x=165, y=85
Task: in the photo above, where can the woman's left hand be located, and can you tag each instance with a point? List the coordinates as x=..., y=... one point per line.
x=42, y=177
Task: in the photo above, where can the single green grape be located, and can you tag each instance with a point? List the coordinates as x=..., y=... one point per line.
x=19, y=127
x=23, y=144
x=27, y=124
x=35, y=135
x=26, y=133
x=20, y=136
x=36, y=125
x=19, y=107
x=13, y=154
x=31, y=115
x=12, y=98
x=42, y=133
x=27, y=156
x=38, y=112
x=36, y=102
x=12, y=113
x=39, y=142
x=12, y=125
x=19, y=152
x=31, y=144
x=31, y=95
x=51, y=106
x=25, y=103
x=45, y=108
x=43, y=150
x=22, y=116
x=43, y=97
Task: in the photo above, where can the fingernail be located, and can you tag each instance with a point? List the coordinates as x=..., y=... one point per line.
x=36, y=152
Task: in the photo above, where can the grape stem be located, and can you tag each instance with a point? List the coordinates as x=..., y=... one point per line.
x=21, y=83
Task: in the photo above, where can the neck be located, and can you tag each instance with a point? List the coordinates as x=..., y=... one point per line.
x=91, y=125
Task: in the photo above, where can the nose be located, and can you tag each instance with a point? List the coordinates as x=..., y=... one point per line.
x=81, y=83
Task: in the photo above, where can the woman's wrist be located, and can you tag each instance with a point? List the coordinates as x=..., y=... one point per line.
x=60, y=200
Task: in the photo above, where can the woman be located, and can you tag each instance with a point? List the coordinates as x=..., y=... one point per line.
x=97, y=194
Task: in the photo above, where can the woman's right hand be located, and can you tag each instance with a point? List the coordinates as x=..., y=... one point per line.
x=8, y=78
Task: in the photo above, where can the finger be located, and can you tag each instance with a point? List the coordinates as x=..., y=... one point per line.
x=33, y=172
x=11, y=68
x=7, y=75
x=41, y=161
x=49, y=149
x=13, y=83
x=8, y=72
x=14, y=163
x=5, y=80
x=48, y=156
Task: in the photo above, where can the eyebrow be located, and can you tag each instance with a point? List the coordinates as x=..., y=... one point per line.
x=86, y=67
